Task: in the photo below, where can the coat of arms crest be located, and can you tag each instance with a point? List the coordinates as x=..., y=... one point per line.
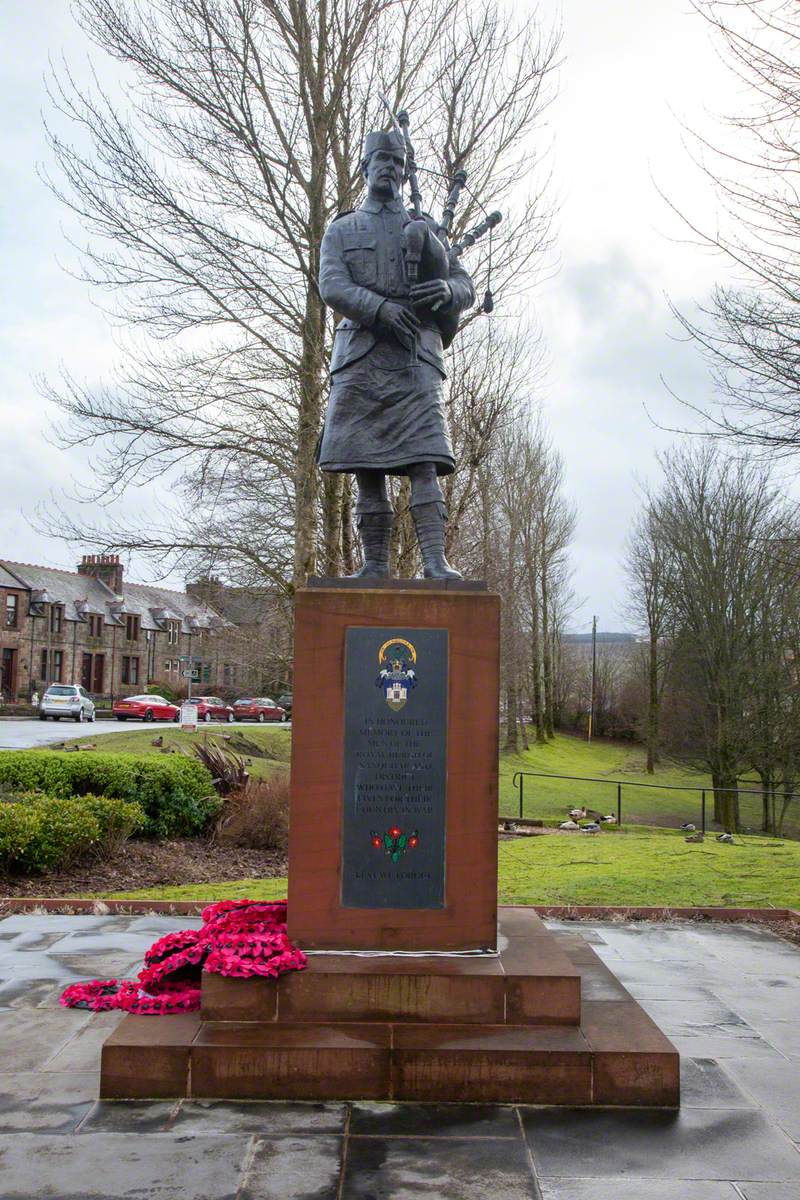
x=397, y=659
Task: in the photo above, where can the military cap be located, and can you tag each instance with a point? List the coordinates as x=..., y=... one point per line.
x=378, y=140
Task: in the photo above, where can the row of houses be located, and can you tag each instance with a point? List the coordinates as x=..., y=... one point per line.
x=116, y=638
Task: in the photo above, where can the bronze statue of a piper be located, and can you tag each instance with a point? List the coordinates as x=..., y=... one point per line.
x=399, y=291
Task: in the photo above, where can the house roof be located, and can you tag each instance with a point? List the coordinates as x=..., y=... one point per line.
x=83, y=594
x=7, y=579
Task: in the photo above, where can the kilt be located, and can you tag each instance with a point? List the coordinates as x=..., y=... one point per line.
x=385, y=419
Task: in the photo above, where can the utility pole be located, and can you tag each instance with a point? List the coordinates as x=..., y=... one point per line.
x=594, y=674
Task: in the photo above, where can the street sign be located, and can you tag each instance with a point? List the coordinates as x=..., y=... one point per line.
x=188, y=674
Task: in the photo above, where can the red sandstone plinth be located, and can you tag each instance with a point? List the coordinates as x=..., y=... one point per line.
x=317, y=918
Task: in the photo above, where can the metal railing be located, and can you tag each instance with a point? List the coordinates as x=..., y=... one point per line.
x=519, y=778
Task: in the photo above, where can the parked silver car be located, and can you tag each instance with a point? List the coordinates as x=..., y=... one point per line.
x=66, y=700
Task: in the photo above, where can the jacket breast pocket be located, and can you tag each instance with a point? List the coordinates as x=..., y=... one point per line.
x=362, y=263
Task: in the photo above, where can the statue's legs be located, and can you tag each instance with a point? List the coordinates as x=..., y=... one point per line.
x=430, y=515
x=374, y=518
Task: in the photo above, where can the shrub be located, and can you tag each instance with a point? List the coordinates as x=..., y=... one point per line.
x=228, y=771
x=118, y=819
x=39, y=832
x=176, y=793
x=257, y=815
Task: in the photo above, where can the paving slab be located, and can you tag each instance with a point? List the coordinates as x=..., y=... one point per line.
x=777, y=1090
x=292, y=1168
x=116, y=1166
x=434, y=1120
x=82, y=1052
x=722, y=1047
x=697, y=1143
x=635, y=1189
x=263, y=1117
x=705, y=1084
x=129, y=1116
x=29, y=1037
x=444, y=1169
x=770, y=1191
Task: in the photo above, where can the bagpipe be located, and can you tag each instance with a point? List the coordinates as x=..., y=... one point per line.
x=428, y=258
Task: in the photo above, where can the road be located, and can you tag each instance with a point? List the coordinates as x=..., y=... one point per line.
x=25, y=732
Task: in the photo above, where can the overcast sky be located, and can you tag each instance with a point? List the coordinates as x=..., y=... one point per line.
x=632, y=70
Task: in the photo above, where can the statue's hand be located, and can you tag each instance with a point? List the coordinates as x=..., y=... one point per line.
x=433, y=293
x=402, y=323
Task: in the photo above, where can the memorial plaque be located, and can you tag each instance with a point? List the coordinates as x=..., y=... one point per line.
x=395, y=768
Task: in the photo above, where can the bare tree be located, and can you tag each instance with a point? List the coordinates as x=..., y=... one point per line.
x=647, y=571
x=749, y=330
x=204, y=195
x=717, y=519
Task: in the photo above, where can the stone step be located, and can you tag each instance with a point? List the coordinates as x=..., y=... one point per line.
x=530, y=981
x=617, y=1057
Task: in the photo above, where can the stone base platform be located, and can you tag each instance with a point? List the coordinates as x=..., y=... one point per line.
x=543, y=1022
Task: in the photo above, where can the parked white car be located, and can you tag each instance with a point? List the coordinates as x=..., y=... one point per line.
x=66, y=700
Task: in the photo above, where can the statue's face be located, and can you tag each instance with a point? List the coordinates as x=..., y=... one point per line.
x=384, y=173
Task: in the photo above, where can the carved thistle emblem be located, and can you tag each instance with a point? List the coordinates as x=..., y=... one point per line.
x=397, y=660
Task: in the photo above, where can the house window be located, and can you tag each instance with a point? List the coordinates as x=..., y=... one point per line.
x=132, y=628
x=44, y=671
x=130, y=669
x=56, y=617
x=58, y=665
x=169, y=666
x=206, y=672
x=95, y=625
x=12, y=610
x=173, y=632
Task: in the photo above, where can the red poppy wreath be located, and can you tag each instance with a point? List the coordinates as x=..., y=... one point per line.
x=238, y=937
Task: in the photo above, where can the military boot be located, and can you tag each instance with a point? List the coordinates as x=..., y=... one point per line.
x=429, y=522
x=375, y=530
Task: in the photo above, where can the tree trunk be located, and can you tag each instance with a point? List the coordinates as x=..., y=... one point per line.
x=547, y=659
x=312, y=386
x=652, y=706
x=726, y=801
x=348, y=532
x=332, y=522
x=537, y=713
x=512, y=723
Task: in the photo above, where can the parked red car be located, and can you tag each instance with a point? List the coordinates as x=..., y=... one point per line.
x=211, y=708
x=261, y=709
x=145, y=708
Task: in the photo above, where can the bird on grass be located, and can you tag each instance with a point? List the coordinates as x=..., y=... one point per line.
x=578, y=814
x=569, y=825
x=688, y=827
x=727, y=838
x=609, y=819
x=695, y=839
x=592, y=827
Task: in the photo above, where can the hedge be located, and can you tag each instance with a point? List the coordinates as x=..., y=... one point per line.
x=176, y=792
x=38, y=832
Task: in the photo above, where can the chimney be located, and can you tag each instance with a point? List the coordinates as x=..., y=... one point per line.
x=105, y=567
x=207, y=590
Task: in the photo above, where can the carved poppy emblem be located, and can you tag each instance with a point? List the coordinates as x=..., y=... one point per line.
x=394, y=842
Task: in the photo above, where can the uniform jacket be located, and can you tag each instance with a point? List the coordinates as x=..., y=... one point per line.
x=362, y=265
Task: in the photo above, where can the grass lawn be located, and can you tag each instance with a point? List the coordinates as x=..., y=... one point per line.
x=636, y=867
x=267, y=746
x=551, y=799
x=637, y=864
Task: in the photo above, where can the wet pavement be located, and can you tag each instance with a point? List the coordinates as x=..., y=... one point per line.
x=726, y=995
